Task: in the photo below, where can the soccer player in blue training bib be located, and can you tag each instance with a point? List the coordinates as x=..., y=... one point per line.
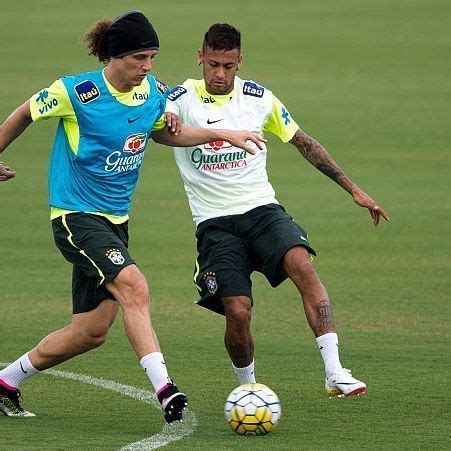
x=241, y=227
x=106, y=118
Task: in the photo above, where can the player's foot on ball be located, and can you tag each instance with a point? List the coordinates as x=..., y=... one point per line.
x=173, y=402
x=342, y=384
x=10, y=403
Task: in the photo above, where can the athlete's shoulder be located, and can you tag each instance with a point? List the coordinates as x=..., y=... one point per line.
x=178, y=91
x=85, y=86
x=76, y=78
x=251, y=89
x=162, y=87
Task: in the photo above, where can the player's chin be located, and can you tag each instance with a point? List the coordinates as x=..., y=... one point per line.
x=219, y=88
x=138, y=80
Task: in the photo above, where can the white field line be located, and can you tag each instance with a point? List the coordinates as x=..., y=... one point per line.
x=169, y=433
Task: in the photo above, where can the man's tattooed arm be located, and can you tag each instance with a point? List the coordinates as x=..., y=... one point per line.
x=318, y=156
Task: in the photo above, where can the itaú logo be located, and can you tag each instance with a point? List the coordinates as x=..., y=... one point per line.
x=136, y=142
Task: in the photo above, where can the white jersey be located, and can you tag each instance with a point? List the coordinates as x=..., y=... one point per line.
x=219, y=178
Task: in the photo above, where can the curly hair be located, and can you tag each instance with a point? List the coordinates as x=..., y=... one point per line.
x=96, y=40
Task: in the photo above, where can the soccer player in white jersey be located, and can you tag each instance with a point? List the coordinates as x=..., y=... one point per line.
x=241, y=227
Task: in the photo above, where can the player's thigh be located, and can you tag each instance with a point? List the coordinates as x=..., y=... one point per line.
x=98, y=251
x=277, y=237
x=92, y=243
x=222, y=269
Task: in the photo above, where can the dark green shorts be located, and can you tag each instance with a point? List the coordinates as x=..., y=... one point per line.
x=97, y=248
x=231, y=247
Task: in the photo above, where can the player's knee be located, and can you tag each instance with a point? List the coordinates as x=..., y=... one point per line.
x=301, y=270
x=239, y=313
x=137, y=296
x=92, y=339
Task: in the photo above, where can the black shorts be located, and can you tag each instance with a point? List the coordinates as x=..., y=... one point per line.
x=231, y=247
x=97, y=248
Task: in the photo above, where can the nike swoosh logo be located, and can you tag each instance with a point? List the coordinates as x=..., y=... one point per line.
x=145, y=43
x=302, y=237
x=130, y=121
x=21, y=367
x=212, y=122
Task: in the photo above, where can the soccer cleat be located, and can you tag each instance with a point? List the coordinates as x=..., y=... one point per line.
x=173, y=402
x=10, y=403
x=342, y=384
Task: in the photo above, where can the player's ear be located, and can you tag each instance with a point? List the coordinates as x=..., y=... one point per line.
x=240, y=60
x=200, y=57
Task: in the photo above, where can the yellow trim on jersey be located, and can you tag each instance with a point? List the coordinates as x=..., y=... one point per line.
x=137, y=96
x=82, y=252
x=57, y=212
x=279, y=122
x=159, y=124
x=206, y=97
x=54, y=101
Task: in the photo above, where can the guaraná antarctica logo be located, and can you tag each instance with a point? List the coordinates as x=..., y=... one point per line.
x=210, y=157
x=134, y=145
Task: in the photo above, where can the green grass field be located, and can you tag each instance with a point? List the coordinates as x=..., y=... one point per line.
x=371, y=81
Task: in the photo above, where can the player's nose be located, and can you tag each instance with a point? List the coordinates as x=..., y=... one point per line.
x=220, y=72
x=147, y=65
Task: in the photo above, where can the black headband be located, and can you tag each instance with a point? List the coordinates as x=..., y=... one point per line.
x=131, y=33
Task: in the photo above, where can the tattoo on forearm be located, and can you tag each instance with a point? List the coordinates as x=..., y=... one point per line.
x=318, y=156
x=324, y=318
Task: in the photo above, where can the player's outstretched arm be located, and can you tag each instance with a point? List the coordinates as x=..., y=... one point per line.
x=13, y=126
x=193, y=136
x=318, y=156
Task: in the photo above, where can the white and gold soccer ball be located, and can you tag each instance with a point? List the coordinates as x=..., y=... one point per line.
x=252, y=409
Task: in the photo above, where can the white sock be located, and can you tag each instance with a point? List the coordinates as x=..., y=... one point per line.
x=155, y=368
x=245, y=375
x=14, y=374
x=328, y=347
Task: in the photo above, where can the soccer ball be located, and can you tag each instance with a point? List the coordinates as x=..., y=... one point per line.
x=252, y=409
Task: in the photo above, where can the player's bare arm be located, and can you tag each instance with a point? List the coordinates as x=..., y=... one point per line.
x=193, y=136
x=13, y=126
x=318, y=156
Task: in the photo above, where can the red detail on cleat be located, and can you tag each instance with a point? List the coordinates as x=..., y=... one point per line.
x=357, y=391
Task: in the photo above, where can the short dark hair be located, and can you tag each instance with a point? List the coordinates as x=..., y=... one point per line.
x=222, y=36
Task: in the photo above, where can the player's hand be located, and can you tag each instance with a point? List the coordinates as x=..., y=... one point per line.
x=362, y=199
x=239, y=138
x=173, y=123
x=5, y=172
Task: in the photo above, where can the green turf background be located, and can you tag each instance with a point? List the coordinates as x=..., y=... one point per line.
x=371, y=81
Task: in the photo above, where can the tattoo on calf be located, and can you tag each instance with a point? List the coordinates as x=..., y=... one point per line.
x=324, y=318
x=241, y=354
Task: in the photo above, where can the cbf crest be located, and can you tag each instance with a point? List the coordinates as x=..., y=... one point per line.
x=210, y=282
x=115, y=255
